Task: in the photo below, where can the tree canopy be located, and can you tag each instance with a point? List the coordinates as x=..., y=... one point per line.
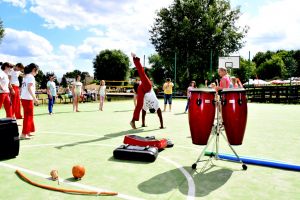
x=280, y=64
x=195, y=29
x=2, y=31
x=111, y=65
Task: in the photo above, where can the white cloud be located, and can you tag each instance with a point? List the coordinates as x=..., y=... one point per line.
x=24, y=44
x=17, y=3
x=27, y=47
x=276, y=26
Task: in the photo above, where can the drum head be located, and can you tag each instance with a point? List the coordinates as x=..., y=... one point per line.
x=207, y=90
x=225, y=90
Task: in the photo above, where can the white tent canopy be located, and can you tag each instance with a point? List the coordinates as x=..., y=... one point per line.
x=256, y=82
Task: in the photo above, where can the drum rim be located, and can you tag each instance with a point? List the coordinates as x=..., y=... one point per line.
x=233, y=90
x=203, y=90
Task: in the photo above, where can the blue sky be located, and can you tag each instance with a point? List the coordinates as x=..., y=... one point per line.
x=64, y=35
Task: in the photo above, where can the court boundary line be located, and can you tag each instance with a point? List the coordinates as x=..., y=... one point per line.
x=191, y=184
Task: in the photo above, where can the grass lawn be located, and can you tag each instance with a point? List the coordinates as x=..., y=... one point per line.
x=90, y=136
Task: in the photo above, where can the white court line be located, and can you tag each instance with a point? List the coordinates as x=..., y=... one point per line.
x=87, y=187
x=189, y=178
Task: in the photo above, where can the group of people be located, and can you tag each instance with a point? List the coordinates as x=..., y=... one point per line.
x=225, y=82
x=11, y=95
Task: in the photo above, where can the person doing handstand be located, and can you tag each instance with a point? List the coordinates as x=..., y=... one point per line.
x=143, y=88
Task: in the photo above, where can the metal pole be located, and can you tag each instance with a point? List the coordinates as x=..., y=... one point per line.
x=175, y=74
x=248, y=69
x=144, y=60
x=210, y=65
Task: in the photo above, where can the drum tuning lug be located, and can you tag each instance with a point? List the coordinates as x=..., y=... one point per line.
x=199, y=101
x=240, y=101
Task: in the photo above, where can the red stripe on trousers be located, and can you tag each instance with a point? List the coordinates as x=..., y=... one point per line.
x=28, y=123
x=5, y=100
x=16, y=102
x=143, y=88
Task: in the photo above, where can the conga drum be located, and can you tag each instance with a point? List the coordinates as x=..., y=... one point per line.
x=234, y=114
x=201, y=114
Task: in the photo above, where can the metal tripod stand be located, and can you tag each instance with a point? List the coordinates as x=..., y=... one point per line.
x=218, y=129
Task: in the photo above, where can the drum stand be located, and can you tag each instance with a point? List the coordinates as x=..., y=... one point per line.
x=218, y=130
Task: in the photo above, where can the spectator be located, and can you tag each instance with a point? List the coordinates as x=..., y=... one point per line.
x=102, y=94
x=5, y=89
x=51, y=91
x=188, y=93
x=76, y=92
x=28, y=98
x=15, y=83
x=168, y=90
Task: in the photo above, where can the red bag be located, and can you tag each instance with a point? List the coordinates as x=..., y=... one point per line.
x=145, y=141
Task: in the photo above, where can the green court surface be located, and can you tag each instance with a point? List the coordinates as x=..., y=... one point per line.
x=90, y=136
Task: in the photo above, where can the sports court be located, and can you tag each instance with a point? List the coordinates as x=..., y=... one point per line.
x=90, y=136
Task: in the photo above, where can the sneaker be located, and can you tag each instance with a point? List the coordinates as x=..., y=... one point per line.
x=31, y=134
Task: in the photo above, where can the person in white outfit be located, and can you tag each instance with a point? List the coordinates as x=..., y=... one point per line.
x=102, y=93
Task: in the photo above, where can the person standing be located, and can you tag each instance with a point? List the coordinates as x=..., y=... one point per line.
x=188, y=94
x=102, y=94
x=225, y=79
x=5, y=89
x=76, y=92
x=168, y=90
x=143, y=88
x=28, y=99
x=14, y=81
x=51, y=91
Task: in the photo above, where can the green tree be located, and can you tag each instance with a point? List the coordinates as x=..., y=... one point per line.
x=111, y=65
x=194, y=29
x=2, y=31
x=296, y=56
x=157, y=71
x=63, y=82
x=261, y=57
x=39, y=79
x=73, y=74
x=291, y=66
x=272, y=68
x=245, y=71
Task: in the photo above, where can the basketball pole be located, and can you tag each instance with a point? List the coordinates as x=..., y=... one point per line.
x=175, y=74
x=210, y=65
x=248, y=68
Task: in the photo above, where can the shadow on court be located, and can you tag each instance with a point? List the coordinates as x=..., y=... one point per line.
x=205, y=182
x=106, y=137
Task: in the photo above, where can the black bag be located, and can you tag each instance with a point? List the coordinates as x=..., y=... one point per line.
x=130, y=152
x=9, y=142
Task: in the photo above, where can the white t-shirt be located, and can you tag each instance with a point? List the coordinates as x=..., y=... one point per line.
x=78, y=88
x=52, y=87
x=4, y=81
x=102, y=90
x=29, y=78
x=150, y=101
x=14, y=77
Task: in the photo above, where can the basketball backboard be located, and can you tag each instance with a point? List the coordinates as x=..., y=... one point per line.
x=229, y=62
